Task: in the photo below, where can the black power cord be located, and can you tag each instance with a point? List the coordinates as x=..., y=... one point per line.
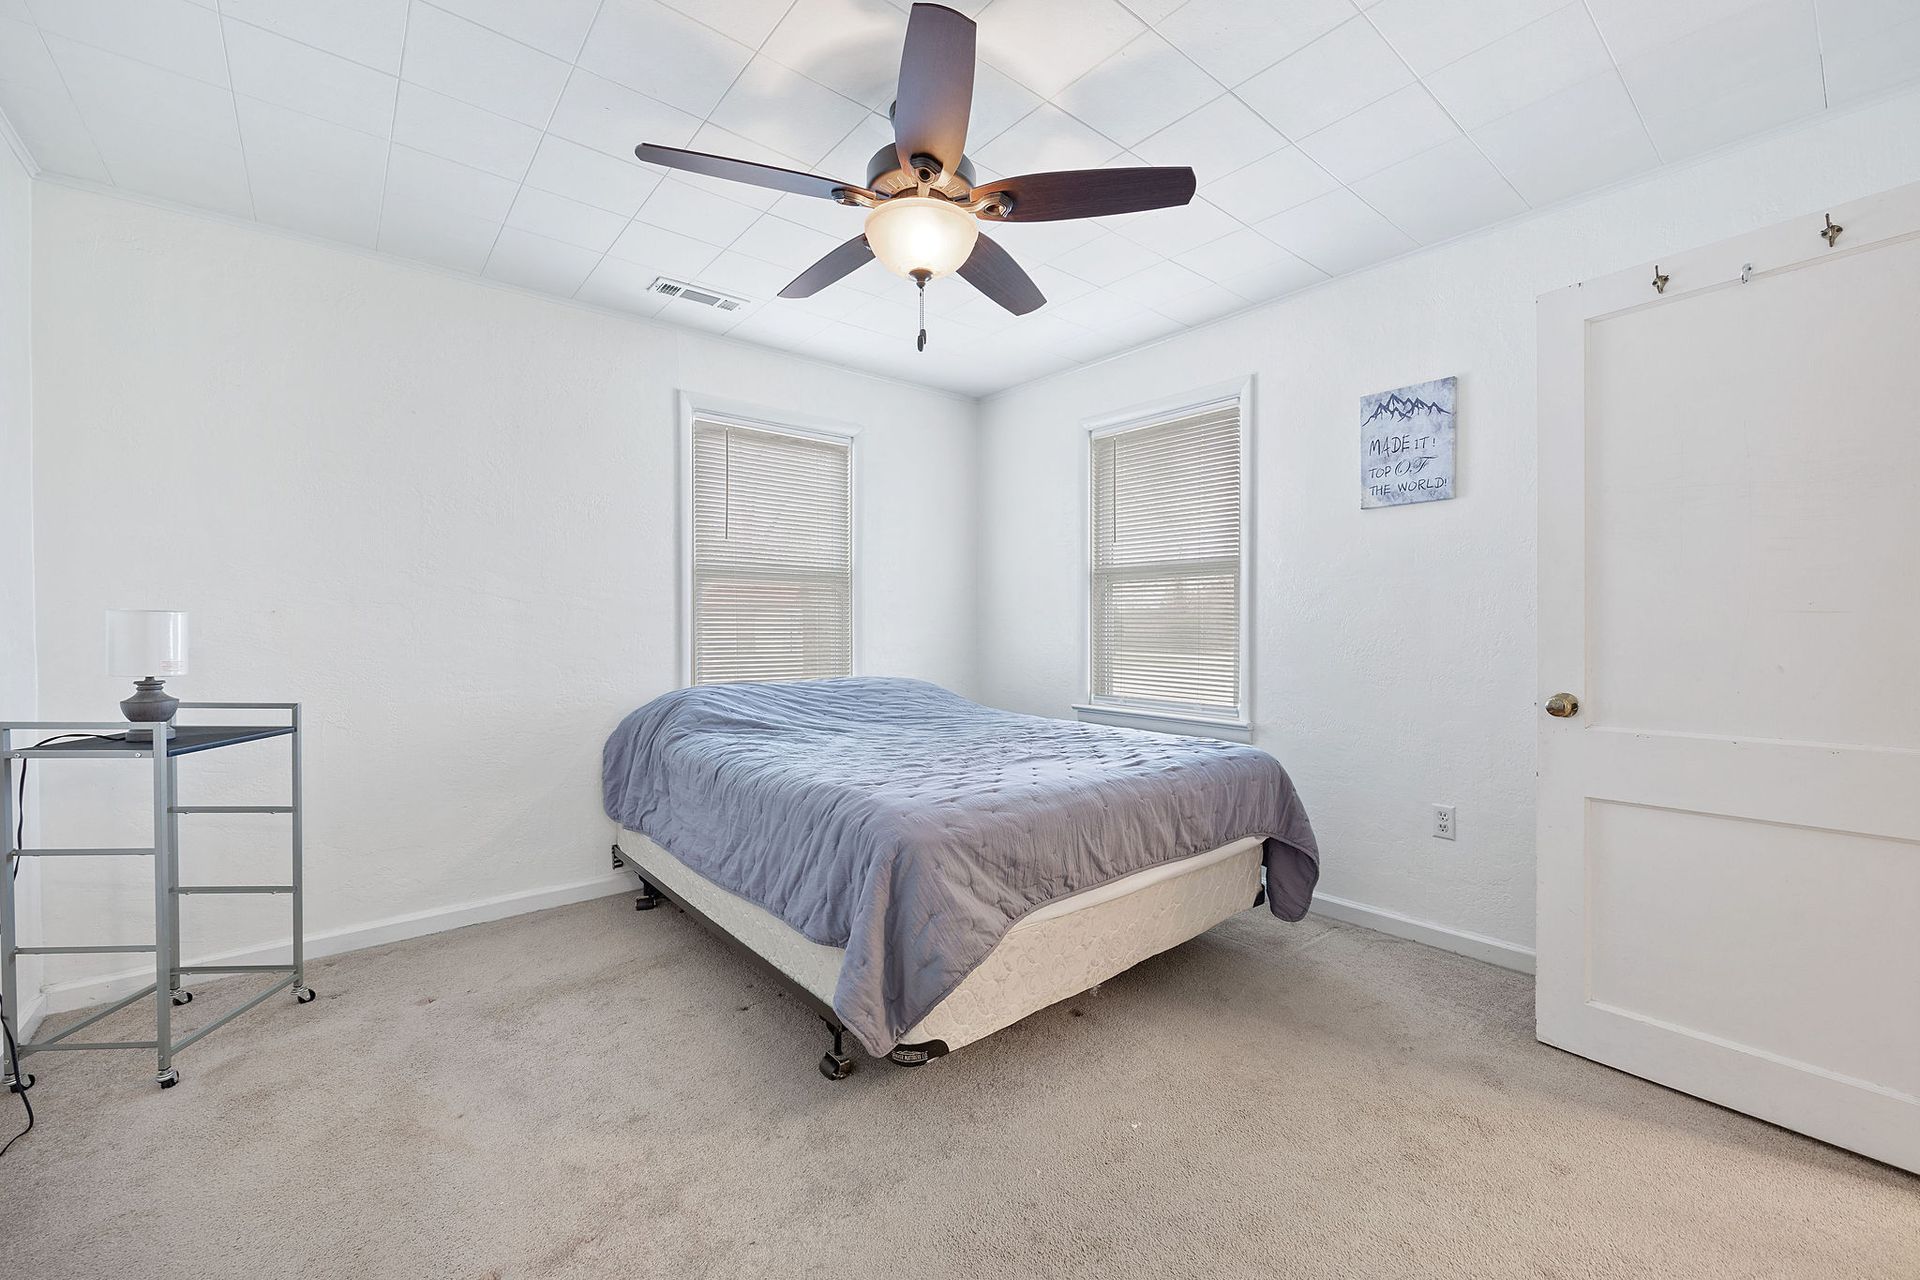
x=22, y=1083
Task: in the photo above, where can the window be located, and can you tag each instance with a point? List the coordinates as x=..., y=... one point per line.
x=771, y=578
x=1165, y=608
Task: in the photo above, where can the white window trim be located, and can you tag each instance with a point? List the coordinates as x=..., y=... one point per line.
x=1145, y=715
x=738, y=413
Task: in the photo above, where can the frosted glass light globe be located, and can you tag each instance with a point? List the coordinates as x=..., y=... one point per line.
x=918, y=233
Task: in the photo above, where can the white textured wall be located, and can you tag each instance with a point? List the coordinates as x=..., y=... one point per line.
x=441, y=514
x=17, y=683
x=1394, y=659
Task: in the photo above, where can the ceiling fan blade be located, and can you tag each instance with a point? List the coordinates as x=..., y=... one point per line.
x=992, y=271
x=1091, y=193
x=842, y=262
x=759, y=175
x=935, y=95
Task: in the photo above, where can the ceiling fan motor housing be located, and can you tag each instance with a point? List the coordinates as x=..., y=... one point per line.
x=885, y=177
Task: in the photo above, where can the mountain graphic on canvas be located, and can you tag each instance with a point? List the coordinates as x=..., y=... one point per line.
x=1404, y=407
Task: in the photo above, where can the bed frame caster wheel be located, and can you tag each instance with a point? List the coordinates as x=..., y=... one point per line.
x=648, y=899
x=183, y=997
x=836, y=1066
x=167, y=1079
x=303, y=995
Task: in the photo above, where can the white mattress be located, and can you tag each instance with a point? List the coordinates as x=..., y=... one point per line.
x=1052, y=953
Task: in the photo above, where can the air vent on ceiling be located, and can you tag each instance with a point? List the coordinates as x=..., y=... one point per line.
x=685, y=292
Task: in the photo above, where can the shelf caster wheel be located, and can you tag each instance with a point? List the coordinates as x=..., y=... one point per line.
x=183, y=997
x=836, y=1066
x=167, y=1079
x=22, y=1084
x=303, y=995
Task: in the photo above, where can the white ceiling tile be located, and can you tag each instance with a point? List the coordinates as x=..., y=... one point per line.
x=16, y=11
x=1429, y=34
x=1280, y=181
x=1115, y=98
x=748, y=21
x=444, y=237
x=171, y=34
x=568, y=221
x=535, y=262
x=117, y=94
x=558, y=27
x=301, y=78
x=433, y=122
x=371, y=32
x=417, y=180
x=1751, y=109
x=623, y=286
x=1152, y=11
x=1634, y=27
x=664, y=54
x=1048, y=44
x=824, y=216
x=1174, y=231
x=1047, y=140
x=1442, y=193
x=450, y=55
x=1097, y=309
x=615, y=119
x=1391, y=130
x=788, y=245
x=784, y=110
x=1341, y=72
x=1251, y=265
x=1766, y=42
x=313, y=176
x=51, y=127
x=1535, y=62
x=1233, y=40
x=1033, y=242
x=999, y=103
x=676, y=206
x=1207, y=303
x=1219, y=138
x=186, y=168
x=1106, y=258
x=591, y=177
x=1158, y=283
x=1844, y=21
x=1336, y=233
x=746, y=276
x=779, y=326
x=851, y=46
x=24, y=60
x=1864, y=65
x=1580, y=139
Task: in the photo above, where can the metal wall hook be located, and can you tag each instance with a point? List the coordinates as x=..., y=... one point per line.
x=1831, y=233
x=1659, y=279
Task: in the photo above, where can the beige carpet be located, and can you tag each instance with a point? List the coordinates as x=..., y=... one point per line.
x=595, y=1092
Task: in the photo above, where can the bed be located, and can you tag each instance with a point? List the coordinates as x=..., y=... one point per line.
x=923, y=870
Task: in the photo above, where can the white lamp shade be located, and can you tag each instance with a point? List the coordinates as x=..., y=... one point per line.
x=918, y=233
x=146, y=642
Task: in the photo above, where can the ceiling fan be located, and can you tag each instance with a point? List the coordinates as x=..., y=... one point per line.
x=924, y=212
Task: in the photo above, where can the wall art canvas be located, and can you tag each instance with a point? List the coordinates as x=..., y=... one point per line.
x=1406, y=444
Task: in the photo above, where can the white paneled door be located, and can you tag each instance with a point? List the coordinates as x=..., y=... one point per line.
x=1729, y=784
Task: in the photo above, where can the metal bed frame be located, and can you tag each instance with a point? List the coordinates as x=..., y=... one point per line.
x=111, y=740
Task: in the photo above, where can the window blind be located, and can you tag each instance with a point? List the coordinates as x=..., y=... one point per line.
x=772, y=574
x=1165, y=566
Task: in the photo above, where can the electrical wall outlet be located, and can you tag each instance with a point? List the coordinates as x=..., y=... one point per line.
x=1443, y=822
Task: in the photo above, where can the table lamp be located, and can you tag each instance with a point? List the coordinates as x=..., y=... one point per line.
x=147, y=644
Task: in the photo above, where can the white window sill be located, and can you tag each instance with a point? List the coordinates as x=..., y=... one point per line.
x=1167, y=721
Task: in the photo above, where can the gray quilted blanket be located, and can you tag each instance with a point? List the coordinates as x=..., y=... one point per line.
x=913, y=827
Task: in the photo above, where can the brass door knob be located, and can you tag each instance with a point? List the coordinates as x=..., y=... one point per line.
x=1562, y=705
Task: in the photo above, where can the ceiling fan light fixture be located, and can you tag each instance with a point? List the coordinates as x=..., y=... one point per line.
x=915, y=234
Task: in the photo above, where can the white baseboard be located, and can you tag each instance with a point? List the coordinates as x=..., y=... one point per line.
x=63, y=997
x=1492, y=950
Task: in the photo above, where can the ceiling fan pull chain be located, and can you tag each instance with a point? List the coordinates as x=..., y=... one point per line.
x=921, y=280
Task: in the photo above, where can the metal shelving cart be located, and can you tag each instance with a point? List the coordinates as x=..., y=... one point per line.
x=119, y=741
